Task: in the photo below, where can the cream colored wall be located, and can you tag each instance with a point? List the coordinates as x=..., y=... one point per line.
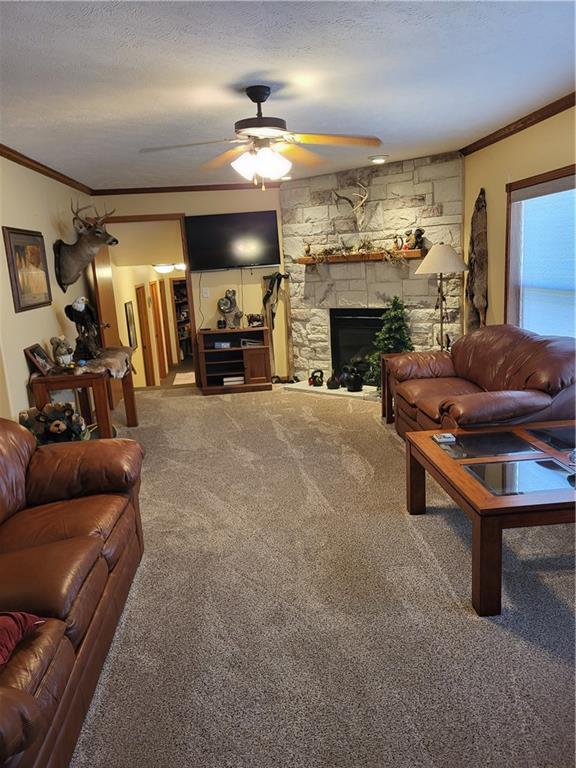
x=31, y=201
x=224, y=201
x=543, y=147
x=146, y=242
x=125, y=280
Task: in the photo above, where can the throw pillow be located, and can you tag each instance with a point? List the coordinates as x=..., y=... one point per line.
x=14, y=626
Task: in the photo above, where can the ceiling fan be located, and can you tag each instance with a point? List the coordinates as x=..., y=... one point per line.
x=265, y=147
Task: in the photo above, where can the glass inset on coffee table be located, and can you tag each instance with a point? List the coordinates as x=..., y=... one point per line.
x=487, y=444
x=560, y=438
x=511, y=478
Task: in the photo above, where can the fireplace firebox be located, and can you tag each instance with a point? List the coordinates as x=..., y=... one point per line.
x=352, y=333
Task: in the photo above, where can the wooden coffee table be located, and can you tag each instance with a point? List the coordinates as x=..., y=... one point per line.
x=529, y=483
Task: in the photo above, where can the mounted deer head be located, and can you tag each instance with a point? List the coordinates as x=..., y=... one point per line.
x=71, y=260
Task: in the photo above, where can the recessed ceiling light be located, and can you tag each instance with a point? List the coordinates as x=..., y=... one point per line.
x=378, y=159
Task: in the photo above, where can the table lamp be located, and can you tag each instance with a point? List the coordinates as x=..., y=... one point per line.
x=441, y=259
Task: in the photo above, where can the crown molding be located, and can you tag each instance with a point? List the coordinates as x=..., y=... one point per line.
x=34, y=165
x=554, y=108
x=191, y=188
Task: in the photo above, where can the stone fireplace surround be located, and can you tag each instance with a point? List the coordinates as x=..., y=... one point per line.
x=425, y=192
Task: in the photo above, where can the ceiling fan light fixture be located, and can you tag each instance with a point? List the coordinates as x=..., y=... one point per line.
x=245, y=165
x=271, y=164
x=263, y=162
x=164, y=269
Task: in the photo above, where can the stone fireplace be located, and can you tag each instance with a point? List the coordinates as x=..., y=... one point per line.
x=426, y=192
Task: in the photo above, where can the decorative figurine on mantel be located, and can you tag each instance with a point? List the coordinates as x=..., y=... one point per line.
x=229, y=308
x=414, y=240
x=83, y=315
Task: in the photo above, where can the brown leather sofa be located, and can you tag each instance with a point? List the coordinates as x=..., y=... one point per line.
x=70, y=544
x=499, y=374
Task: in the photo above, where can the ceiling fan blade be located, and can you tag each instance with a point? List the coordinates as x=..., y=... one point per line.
x=336, y=138
x=225, y=157
x=193, y=144
x=299, y=154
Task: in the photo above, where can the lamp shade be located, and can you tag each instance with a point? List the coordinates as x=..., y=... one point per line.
x=441, y=258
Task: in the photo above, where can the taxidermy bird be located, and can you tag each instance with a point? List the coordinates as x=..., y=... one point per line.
x=83, y=315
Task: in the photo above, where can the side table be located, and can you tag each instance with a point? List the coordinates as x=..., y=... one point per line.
x=99, y=383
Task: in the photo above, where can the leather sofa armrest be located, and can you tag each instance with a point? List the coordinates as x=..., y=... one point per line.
x=68, y=470
x=489, y=407
x=421, y=365
x=21, y=722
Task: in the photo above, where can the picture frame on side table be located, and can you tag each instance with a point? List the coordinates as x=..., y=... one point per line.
x=40, y=359
x=28, y=268
x=131, y=325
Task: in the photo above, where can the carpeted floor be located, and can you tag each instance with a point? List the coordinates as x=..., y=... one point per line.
x=289, y=614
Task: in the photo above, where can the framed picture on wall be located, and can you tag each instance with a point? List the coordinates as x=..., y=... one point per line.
x=132, y=338
x=28, y=269
x=40, y=359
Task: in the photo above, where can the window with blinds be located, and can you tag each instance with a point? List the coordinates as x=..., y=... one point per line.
x=541, y=257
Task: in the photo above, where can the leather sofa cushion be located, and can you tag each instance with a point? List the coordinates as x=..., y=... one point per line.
x=16, y=448
x=46, y=579
x=503, y=357
x=70, y=470
x=84, y=606
x=494, y=407
x=416, y=390
x=21, y=722
x=425, y=422
x=86, y=516
x=421, y=365
x=32, y=657
x=119, y=537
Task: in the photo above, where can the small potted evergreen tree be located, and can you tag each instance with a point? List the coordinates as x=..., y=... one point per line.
x=394, y=336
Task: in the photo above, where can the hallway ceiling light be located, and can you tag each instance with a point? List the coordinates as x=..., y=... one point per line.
x=164, y=269
x=181, y=266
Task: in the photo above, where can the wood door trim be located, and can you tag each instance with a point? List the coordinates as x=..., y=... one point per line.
x=145, y=336
x=190, y=292
x=158, y=335
x=145, y=217
x=511, y=305
x=542, y=178
x=165, y=324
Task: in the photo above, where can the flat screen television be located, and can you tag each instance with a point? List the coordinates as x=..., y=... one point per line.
x=232, y=240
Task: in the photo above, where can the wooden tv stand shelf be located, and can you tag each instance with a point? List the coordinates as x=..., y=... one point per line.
x=249, y=363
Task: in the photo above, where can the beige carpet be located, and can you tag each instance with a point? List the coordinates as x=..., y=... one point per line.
x=289, y=614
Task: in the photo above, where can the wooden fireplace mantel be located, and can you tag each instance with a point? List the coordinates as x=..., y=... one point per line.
x=344, y=258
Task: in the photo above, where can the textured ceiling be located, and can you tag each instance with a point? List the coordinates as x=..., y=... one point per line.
x=85, y=85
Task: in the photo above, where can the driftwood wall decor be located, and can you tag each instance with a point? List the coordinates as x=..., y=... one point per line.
x=477, y=283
